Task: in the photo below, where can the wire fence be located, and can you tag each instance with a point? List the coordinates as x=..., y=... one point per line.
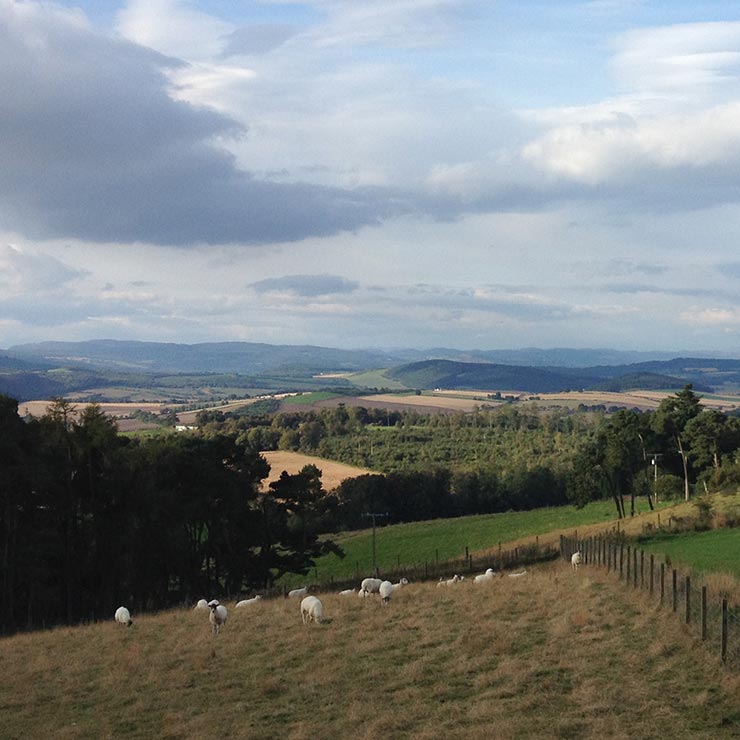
x=707, y=613
x=431, y=569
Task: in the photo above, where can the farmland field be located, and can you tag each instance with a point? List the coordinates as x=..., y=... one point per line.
x=713, y=551
x=552, y=655
x=332, y=473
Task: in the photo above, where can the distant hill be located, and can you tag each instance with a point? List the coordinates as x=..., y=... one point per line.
x=488, y=376
x=47, y=369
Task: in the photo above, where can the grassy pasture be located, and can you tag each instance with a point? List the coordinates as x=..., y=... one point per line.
x=416, y=542
x=553, y=655
x=308, y=399
x=714, y=551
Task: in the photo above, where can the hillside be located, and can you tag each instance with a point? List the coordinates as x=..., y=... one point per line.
x=487, y=376
x=554, y=654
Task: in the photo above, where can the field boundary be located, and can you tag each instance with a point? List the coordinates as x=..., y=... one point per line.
x=705, y=613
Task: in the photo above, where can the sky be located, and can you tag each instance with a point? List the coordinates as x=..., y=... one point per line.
x=474, y=174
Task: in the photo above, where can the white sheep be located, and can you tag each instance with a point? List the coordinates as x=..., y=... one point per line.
x=297, y=592
x=370, y=586
x=347, y=592
x=201, y=606
x=518, y=574
x=311, y=610
x=123, y=616
x=450, y=581
x=386, y=590
x=489, y=575
x=576, y=559
x=248, y=602
x=218, y=615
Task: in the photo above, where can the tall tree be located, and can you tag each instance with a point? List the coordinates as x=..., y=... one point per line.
x=670, y=420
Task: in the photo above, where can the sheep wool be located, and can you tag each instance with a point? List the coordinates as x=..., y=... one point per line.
x=486, y=577
x=201, y=606
x=218, y=615
x=576, y=559
x=312, y=610
x=297, y=592
x=123, y=616
x=370, y=586
x=248, y=602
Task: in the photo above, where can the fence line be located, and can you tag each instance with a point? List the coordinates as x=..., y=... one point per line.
x=432, y=569
x=707, y=614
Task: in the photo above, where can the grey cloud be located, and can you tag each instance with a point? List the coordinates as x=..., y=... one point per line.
x=93, y=147
x=258, y=39
x=306, y=285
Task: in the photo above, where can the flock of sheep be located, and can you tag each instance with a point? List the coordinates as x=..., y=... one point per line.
x=312, y=610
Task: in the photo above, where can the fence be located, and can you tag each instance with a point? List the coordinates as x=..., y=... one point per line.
x=434, y=568
x=708, y=614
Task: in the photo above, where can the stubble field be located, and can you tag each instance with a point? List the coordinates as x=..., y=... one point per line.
x=555, y=654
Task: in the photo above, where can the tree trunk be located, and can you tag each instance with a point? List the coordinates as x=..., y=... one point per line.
x=685, y=467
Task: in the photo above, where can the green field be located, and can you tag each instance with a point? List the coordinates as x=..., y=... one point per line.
x=306, y=399
x=715, y=551
x=415, y=543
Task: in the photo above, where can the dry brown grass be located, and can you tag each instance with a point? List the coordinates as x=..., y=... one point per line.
x=551, y=655
x=332, y=473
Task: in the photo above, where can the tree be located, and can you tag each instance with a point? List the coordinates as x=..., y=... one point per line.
x=670, y=420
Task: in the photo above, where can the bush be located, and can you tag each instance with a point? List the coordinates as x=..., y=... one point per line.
x=669, y=487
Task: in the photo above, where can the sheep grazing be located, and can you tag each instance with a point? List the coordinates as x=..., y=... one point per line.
x=370, y=586
x=123, y=616
x=489, y=575
x=201, y=606
x=517, y=575
x=347, y=592
x=297, y=592
x=218, y=615
x=312, y=610
x=450, y=581
x=576, y=559
x=386, y=591
x=248, y=602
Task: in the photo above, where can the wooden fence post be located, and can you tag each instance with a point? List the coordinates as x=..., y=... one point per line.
x=688, y=600
x=608, y=557
x=662, y=582
x=642, y=569
x=723, y=647
x=634, y=569
x=621, y=559
x=675, y=590
x=629, y=564
x=652, y=569
x=703, y=613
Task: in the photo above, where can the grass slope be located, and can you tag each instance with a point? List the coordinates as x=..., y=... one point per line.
x=417, y=542
x=552, y=655
x=715, y=551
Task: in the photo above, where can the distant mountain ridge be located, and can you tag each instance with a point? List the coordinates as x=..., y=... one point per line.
x=55, y=368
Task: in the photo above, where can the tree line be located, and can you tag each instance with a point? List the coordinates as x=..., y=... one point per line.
x=90, y=518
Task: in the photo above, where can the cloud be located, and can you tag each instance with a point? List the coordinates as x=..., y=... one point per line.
x=257, y=39
x=94, y=146
x=305, y=286
x=22, y=272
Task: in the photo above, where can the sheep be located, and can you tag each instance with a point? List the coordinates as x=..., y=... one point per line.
x=201, y=606
x=123, y=616
x=247, y=602
x=576, y=559
x=348, y=592
x=296, y=592
x=489, y=575
x=450, y=581
x=218, y=615
x=311, y=610
x=385, y=590
x=517, y=575
x=370, y=586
